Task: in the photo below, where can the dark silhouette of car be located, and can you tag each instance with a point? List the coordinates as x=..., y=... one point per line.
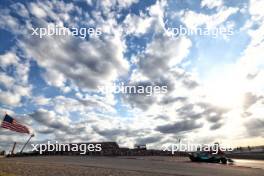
x=202, y=156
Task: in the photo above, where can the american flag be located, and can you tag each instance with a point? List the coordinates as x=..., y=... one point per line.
x=11, y=124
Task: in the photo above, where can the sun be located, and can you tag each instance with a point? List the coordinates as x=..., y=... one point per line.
x=226, y=91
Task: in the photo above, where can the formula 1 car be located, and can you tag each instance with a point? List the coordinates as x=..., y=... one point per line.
x=207, y=157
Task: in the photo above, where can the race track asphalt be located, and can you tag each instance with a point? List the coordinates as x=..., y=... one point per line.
x=85, y=165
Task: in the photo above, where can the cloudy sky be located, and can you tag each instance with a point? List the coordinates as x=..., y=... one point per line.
x=215, y=83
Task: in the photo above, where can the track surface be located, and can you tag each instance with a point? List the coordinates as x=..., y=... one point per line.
x=83, y=165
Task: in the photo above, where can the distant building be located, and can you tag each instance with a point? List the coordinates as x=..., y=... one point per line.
x=110, y=149
x=140, y=147
x=2, y=152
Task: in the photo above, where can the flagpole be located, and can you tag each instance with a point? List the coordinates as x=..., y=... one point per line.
x=32, y=135
x=13, y=149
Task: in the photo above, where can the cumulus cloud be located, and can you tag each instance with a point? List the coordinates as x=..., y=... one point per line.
x=108, y=4
x=255, y=9
x=193, y=19
x=51, y=119
x=168, y=100
x=249, y=100
x=179, y=127
x=251, y=60
x=137, y=25
x=41, y=100
x=153, y=64
x=8, y=59
x=112, y=134
x=14, y=84
x=99, y=59
x=20, y=9
x=216, y=126
x=104, y=61
x=211, y=3
x=155, y=57
x=148, y=140
x=255, y=127
x=36, y=10
x=6, y=81
x=9, y=98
